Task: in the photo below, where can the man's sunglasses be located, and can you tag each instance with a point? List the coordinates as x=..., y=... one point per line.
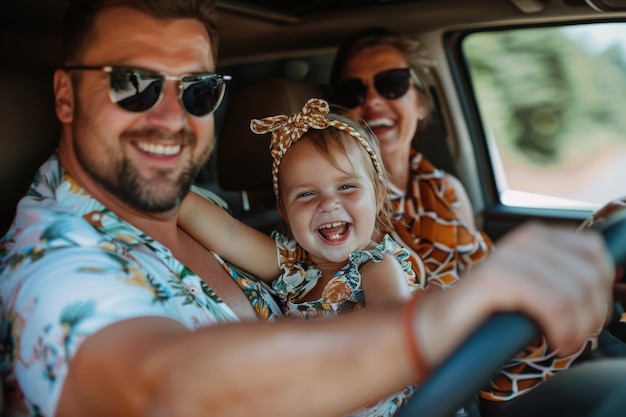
x=138, y=90
x=390, y=84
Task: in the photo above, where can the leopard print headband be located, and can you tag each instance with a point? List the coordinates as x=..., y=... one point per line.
x=287, y=130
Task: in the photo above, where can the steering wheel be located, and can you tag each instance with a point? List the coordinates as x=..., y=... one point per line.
x=471, y=366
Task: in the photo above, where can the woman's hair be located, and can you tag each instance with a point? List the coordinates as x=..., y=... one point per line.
x=409, y=48
x=80, y=17
x=328, y=141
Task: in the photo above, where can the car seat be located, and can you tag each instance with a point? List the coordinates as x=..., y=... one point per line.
x=30, y=131
x=243, y=158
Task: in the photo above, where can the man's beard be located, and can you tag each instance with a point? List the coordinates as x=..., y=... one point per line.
x=147, y=195
x=157, y=194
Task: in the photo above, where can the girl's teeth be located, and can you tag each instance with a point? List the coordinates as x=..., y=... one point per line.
x=331, y=225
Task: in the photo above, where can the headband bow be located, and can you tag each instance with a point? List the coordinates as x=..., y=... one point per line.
x=288, y=130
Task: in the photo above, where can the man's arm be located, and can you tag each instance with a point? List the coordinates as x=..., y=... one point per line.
x=153, y=367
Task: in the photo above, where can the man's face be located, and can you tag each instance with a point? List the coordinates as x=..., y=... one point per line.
x=144, y=160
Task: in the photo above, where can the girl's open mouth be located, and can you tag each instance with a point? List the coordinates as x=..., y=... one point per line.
x=334, y=231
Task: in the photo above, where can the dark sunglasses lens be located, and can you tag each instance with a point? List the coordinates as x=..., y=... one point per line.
x=135, y=90
x=350, y=93
x=392, y=84
x=202, y=94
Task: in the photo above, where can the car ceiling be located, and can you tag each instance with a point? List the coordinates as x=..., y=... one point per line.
x=267, y=29
x=305, y=7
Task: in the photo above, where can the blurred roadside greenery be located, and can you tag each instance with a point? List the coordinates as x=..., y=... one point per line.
x=538, y=88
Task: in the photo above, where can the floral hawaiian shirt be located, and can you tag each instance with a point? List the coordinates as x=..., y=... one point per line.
x=70, y=267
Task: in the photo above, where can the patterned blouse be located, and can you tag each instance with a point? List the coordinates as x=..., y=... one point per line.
x=70, y=267
x=441, y=245
x=442, y=248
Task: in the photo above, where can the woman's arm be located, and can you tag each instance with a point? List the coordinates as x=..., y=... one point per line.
x=480, y=242
x=384, y=283
x=233, y=240
x=464, y=211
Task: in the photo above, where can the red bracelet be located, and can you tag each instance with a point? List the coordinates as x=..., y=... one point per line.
x=408, y=314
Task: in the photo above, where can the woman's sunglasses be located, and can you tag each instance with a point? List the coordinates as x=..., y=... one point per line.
x=137, y=90
x=390, y=84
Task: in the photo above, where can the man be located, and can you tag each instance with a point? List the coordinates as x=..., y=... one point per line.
x=110, y=309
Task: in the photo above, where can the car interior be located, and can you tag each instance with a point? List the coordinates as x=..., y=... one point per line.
x=279, y=54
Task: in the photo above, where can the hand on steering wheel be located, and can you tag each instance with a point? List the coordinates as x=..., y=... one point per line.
x=453, y=384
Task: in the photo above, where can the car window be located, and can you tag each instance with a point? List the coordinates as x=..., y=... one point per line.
x=552, y=102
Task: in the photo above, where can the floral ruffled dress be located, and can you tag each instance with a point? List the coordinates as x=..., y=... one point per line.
x=343, y=292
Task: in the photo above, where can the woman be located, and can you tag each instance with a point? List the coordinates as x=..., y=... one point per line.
x=375, y=74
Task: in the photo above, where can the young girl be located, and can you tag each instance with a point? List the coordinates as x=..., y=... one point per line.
x=331, y=192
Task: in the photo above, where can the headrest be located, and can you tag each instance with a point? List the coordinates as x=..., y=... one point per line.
x=30, y=132
x=238, y=147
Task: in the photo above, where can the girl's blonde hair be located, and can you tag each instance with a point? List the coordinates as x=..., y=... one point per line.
x=327, y=141
x=328, y=130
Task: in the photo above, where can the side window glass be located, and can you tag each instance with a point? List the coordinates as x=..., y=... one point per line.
x=553, y=105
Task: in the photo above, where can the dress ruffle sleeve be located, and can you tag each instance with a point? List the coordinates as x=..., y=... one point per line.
x=390, y=246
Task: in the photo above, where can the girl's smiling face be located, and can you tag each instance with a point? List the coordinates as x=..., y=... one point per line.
x=330, y=206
